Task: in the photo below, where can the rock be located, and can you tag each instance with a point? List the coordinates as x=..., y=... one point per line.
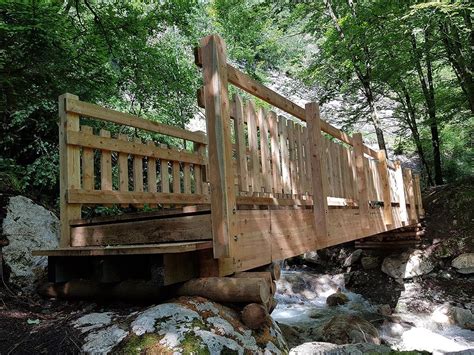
x=384, y=309
x=353, y=258
x=448, y=314
x=28, y=227
x=337, y=299
x=311, y=257
x=333, y=349
x=407, y=265
x=370, y=262
x=348, y=328
x=464, y=263
x=185, y=325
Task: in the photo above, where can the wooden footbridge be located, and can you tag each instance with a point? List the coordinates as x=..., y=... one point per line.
x=268, y=181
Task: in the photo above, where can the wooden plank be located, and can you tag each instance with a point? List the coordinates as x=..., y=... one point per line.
x=123, y=169
x=187, y=178
x=299, y=159
x=254, y=173
x=97, y=197
x=220, y=145
x=94, y=111
x=275, y=152
x=176, y=177
x=151, y=174
x=419, y=200
x=198, y=169
x=174, y=229
x=87, y=163
x=318, y=169
x=401, y=193
x=386, y=191
x=241, y=147
x=273, y=201
x=265, y=151
x=134, y=148
x=411, y=196
x=162, y=248
x=307, y=161
x=70, y=168
x=138, y=172
x=285, y=155
x=292, y=156
x=105, y=165
x=363, y=196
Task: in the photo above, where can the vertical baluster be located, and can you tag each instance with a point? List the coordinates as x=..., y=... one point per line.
x=291, y=151
x=151, y=174
x=253, y=145
x=299, y=160
x=138, y=172
x=105, y=167
x=241, y=147
x=165, y=176
x=275, y=151
x=123, y=169
x=285, y=157
x=87, y=163
x=264, y=150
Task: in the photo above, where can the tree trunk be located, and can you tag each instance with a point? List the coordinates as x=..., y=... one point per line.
x=428, y=93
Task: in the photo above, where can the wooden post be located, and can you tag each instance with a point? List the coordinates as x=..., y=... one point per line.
x=70, y=169
x=221, y=173
x=421, y=211
x=318, y=171
x=361, y=180
x=411, y=196
x=386, y=192
x=401, y=192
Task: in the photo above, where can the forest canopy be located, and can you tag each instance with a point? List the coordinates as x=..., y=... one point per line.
x=416, y=57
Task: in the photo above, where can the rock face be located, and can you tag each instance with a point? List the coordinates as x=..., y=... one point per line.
x=353, y=258
x=28, y=226
x=346, y=329
x=187, y=325
x=333, y=349
x=311, y=257
x=407, y=265
x=449, y=314
x=464, y=263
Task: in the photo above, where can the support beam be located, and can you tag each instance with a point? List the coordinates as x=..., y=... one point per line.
x=386, y=192
x=361, y=180
x=401, y=192
x=318, y=171
x=411, y=195
x=70, y=169
x=216, y=99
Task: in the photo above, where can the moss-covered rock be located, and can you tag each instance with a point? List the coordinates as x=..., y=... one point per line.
x=186, y=325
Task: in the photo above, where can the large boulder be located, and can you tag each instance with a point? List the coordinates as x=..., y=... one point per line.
x=337, y=299
x=347, y=329
x=464, y=263
x=370, y=262
x=449, y=314
x=28, y=226
x=186, y=325
x=407, y=265
x=334, y=349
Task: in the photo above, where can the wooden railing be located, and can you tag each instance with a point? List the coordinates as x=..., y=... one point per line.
x=98, y=168
x=297, y=161
x=306, y=183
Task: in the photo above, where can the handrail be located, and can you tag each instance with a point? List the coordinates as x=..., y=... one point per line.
x=95, y=111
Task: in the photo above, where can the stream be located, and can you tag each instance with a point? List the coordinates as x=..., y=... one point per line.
x=302, y=306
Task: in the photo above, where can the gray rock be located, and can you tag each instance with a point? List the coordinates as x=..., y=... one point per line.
x=189, y=324
x=333, y=349
x=348, y=328
x=28, y=227
x=449, y=314
x=407, y=265
x=370, y=262
x=353, y=258
x=311, y=257
x=464, y=263
x=384, y=309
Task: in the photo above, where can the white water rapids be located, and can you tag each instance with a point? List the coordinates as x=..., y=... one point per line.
x=302, y=297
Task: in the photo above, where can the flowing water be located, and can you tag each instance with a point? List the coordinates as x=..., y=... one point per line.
x=302, y=297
